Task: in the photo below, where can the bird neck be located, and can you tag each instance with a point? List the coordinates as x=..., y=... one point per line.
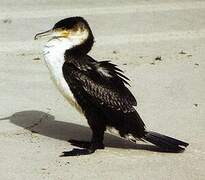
x=83, y=48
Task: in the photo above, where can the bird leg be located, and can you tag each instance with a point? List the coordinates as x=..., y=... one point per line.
x=98, y=128
x=95, y=143
x=88, y=147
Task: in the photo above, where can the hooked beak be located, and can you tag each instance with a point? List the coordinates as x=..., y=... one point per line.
x=44, y=34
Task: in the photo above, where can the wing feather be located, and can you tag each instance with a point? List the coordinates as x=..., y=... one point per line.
x=103, y=81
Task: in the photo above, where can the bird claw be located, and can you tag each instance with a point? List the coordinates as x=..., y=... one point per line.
x=77, y=152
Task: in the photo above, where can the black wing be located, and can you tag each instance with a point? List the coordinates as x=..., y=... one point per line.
x=102, y=81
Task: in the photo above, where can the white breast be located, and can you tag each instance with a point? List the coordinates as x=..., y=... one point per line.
x=54, y=59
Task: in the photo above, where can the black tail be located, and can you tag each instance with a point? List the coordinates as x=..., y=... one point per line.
x=164, y=142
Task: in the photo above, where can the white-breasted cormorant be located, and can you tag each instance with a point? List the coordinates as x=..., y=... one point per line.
x=96, y=88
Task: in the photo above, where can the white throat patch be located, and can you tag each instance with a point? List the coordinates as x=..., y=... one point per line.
x=54, y=58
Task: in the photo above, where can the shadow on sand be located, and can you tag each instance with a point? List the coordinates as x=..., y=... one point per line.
x=45, y=124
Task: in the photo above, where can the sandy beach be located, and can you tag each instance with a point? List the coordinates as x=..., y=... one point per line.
x=159, y=45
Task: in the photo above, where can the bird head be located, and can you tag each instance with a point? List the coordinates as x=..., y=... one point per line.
x=75, y=30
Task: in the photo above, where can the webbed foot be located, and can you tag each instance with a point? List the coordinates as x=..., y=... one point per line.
x=88, y=148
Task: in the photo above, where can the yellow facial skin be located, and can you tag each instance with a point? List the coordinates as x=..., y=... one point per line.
x=63, y=32
x=77, y=33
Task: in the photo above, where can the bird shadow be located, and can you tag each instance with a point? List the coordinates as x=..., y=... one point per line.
x=45, y=124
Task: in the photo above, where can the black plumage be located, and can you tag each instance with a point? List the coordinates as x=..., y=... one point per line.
x=108, y=94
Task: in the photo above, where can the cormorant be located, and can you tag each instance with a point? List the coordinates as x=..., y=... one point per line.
x=96, y=88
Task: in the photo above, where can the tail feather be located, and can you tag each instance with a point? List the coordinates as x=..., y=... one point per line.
x=165, y=142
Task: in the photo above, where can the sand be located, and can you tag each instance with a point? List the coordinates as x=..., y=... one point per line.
x=36, y=121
